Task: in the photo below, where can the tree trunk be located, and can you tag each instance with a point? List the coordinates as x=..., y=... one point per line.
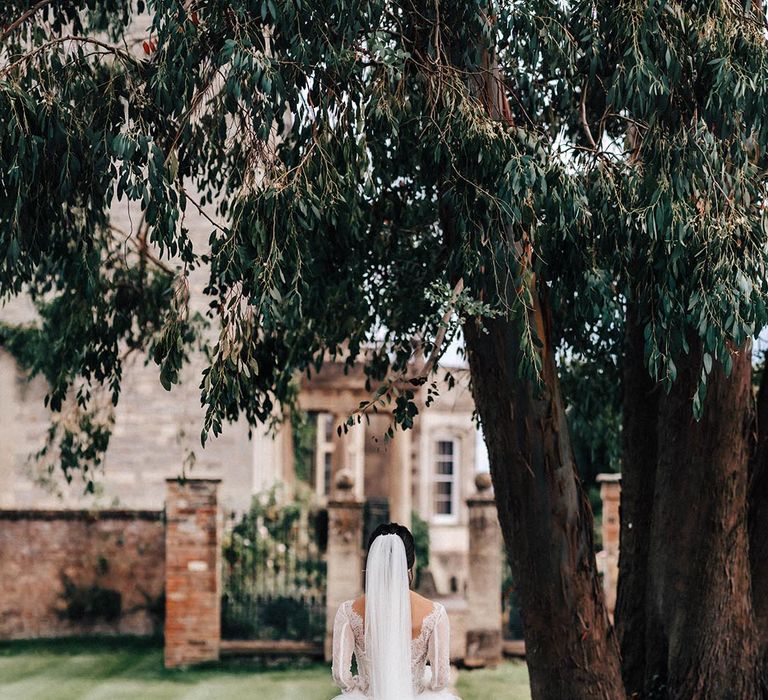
x=698, y=606
x=546, y=521
x=545, y=518
x=638, y=472
x=758, y=522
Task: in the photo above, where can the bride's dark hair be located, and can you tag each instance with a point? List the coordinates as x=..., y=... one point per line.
x=403, y=533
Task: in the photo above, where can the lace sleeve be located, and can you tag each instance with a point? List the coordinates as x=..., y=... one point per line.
x=440, y=652
x=343, y=647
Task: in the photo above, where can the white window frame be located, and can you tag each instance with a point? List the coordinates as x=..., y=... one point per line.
x=323, y=447
x=442, y=518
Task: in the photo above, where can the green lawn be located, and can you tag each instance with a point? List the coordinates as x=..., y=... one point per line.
x=123, y=669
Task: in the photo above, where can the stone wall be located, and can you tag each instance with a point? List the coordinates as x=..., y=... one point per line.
x=156, y=433
x=120, y=552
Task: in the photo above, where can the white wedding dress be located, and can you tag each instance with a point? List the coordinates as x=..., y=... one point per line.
x=429, y=682
x=390, y=664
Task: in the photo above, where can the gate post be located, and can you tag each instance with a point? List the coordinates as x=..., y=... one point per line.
x=344, y=557
x=192, y=572
x=608, y=558
x=484, y=581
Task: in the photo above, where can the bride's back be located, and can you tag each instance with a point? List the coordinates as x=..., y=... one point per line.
x=392, y=632
x=430, y=644
x=421, y=607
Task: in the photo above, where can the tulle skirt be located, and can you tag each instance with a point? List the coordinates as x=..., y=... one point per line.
x=426, y=695
x=423, y=695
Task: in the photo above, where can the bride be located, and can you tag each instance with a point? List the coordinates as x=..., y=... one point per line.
x=391, y=631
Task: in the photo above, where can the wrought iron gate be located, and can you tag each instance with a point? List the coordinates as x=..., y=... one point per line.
x=512, y=622
x=274, y=573
x=376, y=513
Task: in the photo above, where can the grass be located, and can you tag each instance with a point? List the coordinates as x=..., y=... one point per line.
x=507, y=682
x=130, y=669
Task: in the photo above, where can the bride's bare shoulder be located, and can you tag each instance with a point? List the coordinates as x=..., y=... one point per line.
x=358, y=605
x=420, y=605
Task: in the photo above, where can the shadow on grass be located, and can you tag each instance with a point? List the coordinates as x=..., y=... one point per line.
x=132, y=667
x=79, y=645
x=144, y=657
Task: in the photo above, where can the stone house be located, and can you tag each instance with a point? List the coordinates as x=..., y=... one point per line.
x=429, y=470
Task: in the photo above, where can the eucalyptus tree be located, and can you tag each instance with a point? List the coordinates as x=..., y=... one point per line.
x=382, y=175
x=683, y=84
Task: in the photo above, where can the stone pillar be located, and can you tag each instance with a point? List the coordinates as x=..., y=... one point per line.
x=344, y=555
x=400, y=496
x=348, y=456
x=484, y=581
x=338, y=460
x=356, y=458
x=608, y=558
x=284, y=438
x=192, y=572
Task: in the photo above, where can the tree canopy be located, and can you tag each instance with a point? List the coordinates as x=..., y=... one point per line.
x=324, y=139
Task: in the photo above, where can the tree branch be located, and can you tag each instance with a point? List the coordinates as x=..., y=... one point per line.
x=437, y=349
x=24, y=17
x=142, y=249
x=83, y=40
x=583, y=116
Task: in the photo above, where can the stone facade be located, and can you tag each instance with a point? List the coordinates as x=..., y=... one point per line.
x=156, y=433
x=402, y=470
x=192, y=572
x=120, y=552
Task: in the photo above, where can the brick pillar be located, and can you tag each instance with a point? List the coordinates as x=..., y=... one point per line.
x=344, y=556
x=192, y=572
x=484, y=581
x=608, y=558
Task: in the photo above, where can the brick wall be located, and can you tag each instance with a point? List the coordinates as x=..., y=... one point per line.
x=118, y=551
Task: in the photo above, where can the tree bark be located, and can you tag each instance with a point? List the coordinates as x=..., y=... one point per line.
x=698, y=606
x=638, y=472
x=758, y=523
x=571, y=649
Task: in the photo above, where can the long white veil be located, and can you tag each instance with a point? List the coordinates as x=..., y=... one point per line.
x=388, y=620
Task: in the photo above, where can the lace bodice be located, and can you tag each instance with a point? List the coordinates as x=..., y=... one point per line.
x=432, y=645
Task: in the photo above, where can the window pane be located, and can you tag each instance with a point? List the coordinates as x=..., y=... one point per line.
x=328, y=427
x=444, y=476
x=327, y=457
